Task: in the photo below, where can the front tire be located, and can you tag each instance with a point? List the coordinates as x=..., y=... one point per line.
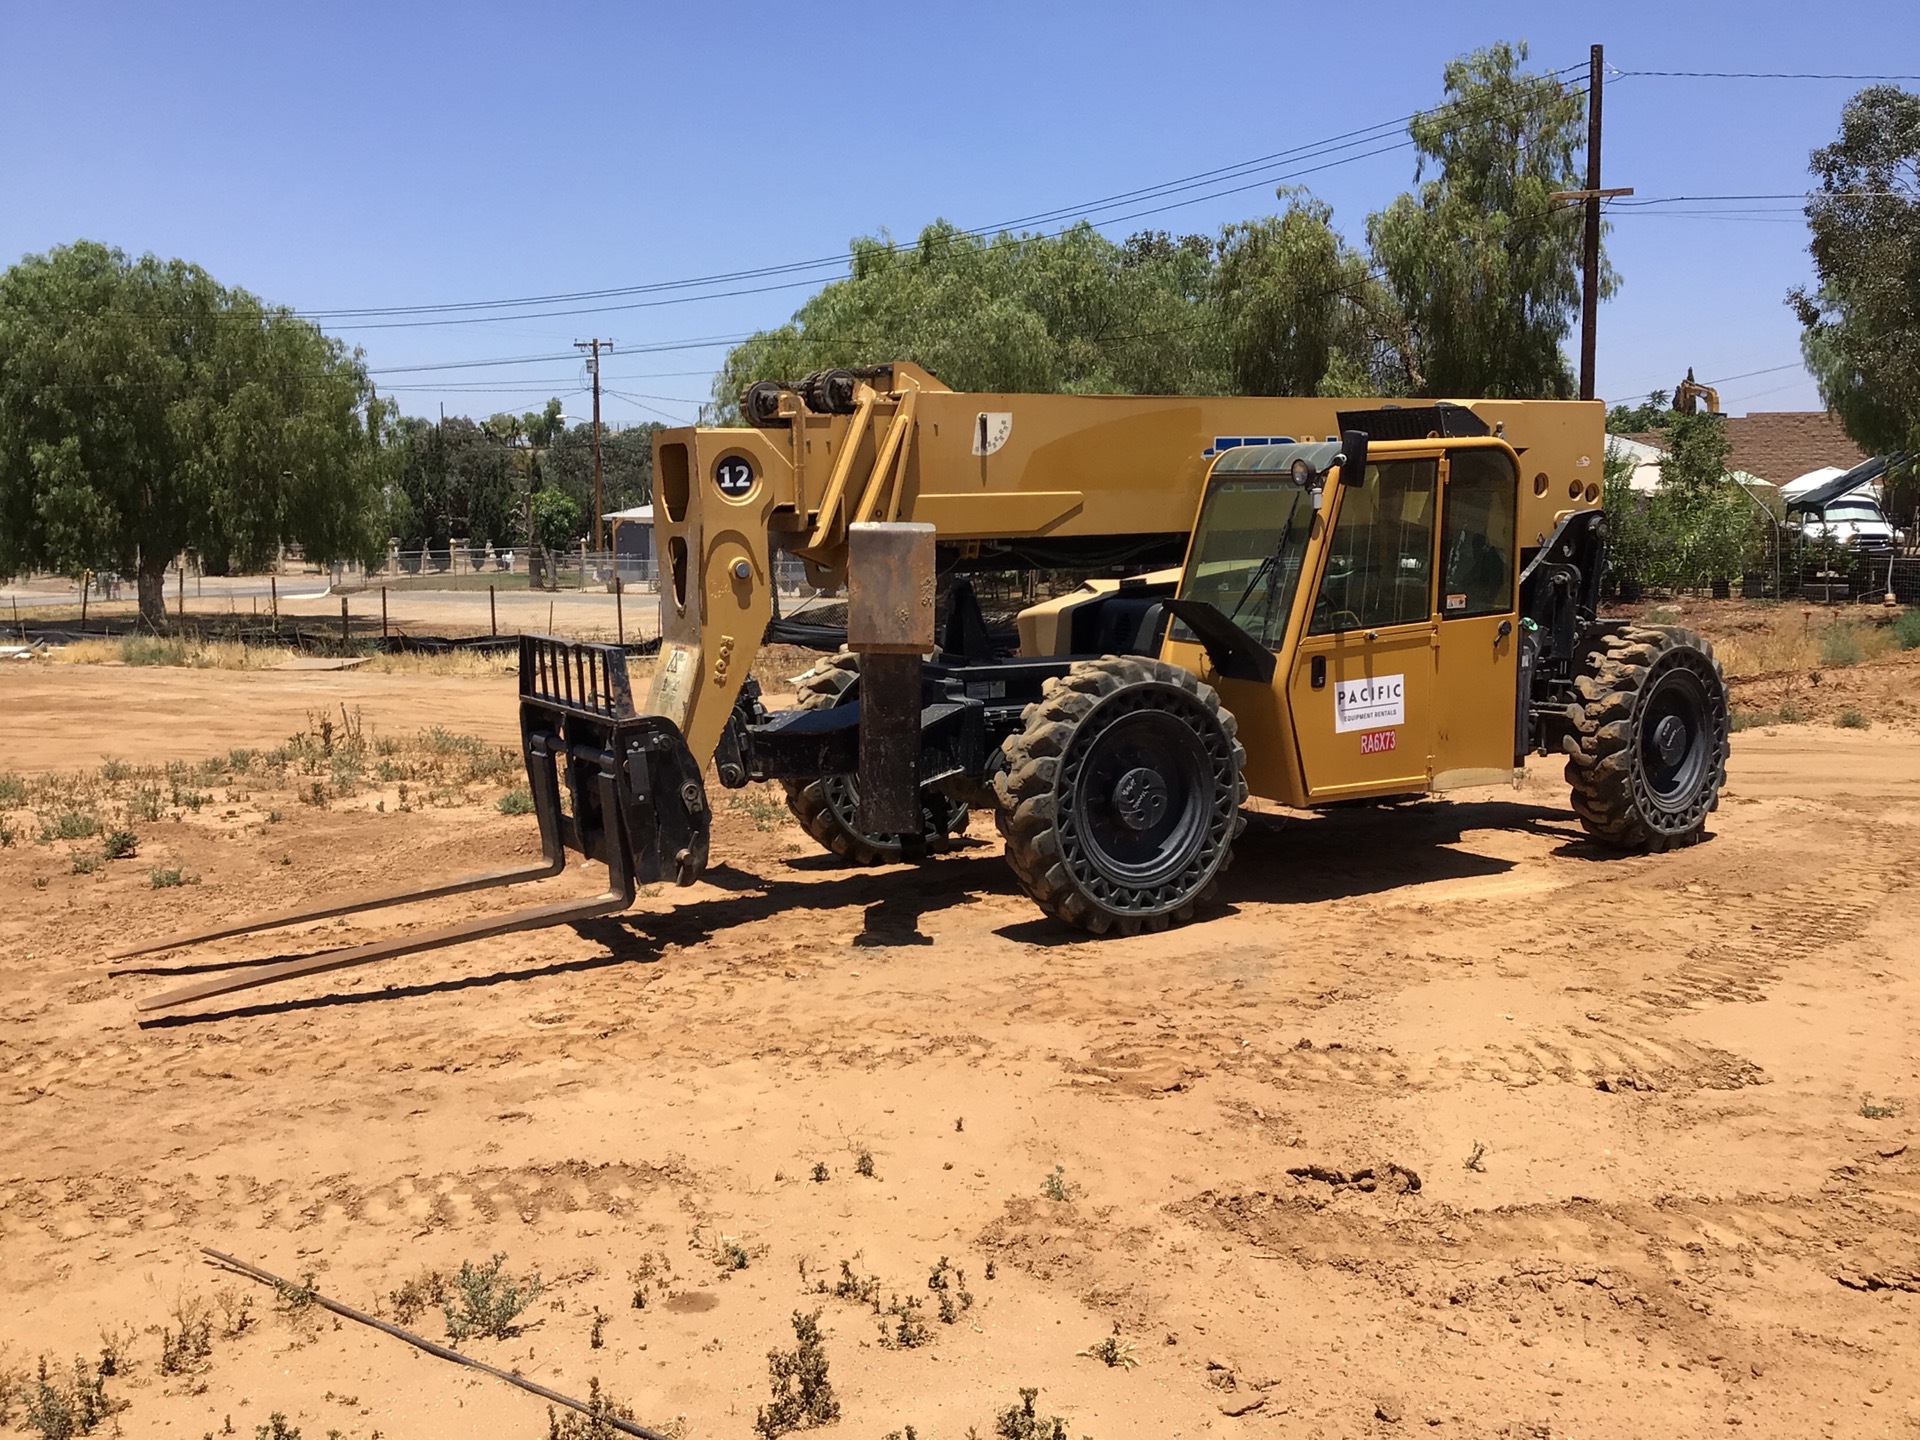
x=1648, y=754
x=1120, y=800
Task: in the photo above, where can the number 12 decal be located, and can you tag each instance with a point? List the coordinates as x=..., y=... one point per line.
x=733, y=476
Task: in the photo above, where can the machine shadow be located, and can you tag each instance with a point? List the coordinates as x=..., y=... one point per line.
x=1298, y=859
x=1345, y=853
x=895, y=902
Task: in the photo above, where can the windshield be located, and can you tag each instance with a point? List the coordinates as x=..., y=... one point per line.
x=1247, y=552
x=1858, y=511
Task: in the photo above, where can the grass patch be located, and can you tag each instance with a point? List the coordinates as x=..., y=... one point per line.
x=165, y=877
x=1884, y=1108
x=69, y=825
x=1840, y=645
x=13, y=790
x=1740, y=718
x=515, y=802
x=759, y=806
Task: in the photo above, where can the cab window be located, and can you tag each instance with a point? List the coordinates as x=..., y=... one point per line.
x=1477, y=535
x=1379, y=567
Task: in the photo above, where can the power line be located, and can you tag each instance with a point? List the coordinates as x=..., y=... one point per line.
x=1752, y=75
x=1349, y=141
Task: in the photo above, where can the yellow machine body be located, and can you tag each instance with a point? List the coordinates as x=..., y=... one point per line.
x=985, y=469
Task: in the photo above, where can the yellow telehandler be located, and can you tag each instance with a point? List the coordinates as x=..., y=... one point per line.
x=1312, y=601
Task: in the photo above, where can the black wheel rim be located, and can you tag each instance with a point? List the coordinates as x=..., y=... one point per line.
x=1675, y=737
x=1149, y=800
x=939, y=816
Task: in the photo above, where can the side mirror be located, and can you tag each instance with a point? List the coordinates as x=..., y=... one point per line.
x=1353, y=457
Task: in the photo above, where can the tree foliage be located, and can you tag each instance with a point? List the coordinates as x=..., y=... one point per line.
x=1700, y=527
x=1483, y=267
x=1296, y=305
x=146, y=409
x=1469, y=289
x=1071, y=313
x=467, y=483
x=1861, y=334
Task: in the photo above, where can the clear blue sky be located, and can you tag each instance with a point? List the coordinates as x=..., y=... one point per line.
x=337, y=156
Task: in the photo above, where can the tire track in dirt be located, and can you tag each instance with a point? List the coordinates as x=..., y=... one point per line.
x=79, y=1206
x=1779, y=928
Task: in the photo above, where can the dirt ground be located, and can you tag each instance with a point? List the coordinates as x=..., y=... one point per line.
x=1641, y=1130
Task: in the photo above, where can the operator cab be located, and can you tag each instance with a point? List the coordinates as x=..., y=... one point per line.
x=1380, y=576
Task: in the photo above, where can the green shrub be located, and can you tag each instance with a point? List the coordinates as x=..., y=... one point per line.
x=515, y=802
x=1906, y=634
x=13, y=790
x=60, y=1410
x=121, y=844
x=1852, y=720
x=488, y=1301
x=165, y=877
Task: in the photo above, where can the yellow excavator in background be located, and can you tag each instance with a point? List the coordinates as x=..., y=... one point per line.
x=1307, y=600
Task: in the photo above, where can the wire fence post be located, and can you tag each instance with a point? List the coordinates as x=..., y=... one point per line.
x=346, y=633
x=273, y=591
x=619, y=610
x=493, y=612
x=383, y=612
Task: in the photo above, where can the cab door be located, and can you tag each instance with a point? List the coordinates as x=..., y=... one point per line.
x=1476, y=667
x=1360, y=691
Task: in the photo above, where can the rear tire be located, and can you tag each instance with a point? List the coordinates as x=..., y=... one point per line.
x=828, y=809
x=1648, y=753
x=1121, y=797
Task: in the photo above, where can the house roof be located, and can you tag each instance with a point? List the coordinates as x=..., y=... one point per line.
x=1779, y=445
x=643, y=514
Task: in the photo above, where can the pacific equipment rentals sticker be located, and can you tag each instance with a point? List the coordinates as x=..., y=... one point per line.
x=1369, y=703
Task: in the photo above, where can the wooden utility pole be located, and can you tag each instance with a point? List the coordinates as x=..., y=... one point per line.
x=593, y=369
x=1590, y=242
x=1590, y=247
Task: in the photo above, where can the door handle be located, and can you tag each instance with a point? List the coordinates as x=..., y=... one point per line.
x=1318, y=672
x=1506, y=629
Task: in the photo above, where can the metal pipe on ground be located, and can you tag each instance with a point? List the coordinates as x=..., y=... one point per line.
x=420, y=1342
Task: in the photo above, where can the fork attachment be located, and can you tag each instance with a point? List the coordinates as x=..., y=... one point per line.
x=638, y=805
